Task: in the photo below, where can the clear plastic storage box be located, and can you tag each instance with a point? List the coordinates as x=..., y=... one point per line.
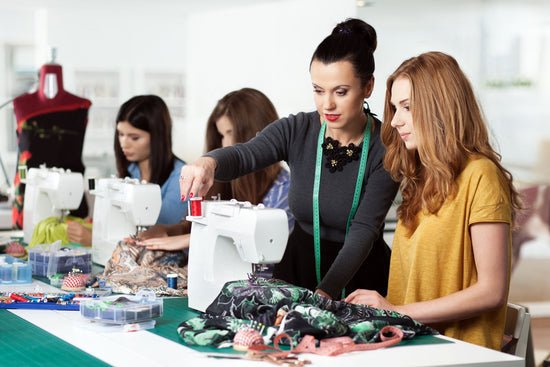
x=48, y=260
x=14, y=270
x=122, y=309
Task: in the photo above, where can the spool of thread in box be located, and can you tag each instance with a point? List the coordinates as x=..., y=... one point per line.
x=195, y=207
x=172, y=280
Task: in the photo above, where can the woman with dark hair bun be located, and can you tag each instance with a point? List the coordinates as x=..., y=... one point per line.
x=339, y=190
x=143, y=150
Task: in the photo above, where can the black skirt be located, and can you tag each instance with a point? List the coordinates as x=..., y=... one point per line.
x=298, y=264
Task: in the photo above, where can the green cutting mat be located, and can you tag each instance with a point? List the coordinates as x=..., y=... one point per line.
x=24, y=344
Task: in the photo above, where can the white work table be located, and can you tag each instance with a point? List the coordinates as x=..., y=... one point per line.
x=143, y=348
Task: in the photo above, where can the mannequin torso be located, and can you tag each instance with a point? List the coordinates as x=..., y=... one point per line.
x=50, y=96
x=51, y=124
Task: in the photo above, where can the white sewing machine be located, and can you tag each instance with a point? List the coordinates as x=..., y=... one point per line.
x=122, y=208
x=49, y=192
x=228, y=242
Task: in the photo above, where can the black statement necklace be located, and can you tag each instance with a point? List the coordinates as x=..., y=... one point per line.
x=338, y=156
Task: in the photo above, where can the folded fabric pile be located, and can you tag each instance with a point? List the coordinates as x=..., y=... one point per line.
x=132, y=268
x=296, y=311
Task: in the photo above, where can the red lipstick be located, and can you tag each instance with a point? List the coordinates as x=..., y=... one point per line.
x=332, y=118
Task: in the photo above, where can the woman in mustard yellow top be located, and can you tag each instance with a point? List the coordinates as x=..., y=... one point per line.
x=450, y=262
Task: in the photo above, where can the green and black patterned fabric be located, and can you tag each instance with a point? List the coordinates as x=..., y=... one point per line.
x=261, y=301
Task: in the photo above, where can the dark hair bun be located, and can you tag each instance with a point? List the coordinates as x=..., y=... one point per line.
x=357, y=28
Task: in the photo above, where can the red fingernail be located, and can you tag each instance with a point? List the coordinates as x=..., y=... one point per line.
x=190, y=194
x=183, y=198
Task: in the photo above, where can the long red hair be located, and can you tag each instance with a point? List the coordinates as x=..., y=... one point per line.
x=450, y=130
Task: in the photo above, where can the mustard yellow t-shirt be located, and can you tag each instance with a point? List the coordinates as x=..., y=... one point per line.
x=437, y=259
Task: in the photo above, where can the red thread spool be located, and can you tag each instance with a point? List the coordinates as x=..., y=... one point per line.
x=196, y=206
x=18, y=297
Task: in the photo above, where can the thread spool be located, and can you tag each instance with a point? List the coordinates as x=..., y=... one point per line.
x=195, y=207
x=172, y=280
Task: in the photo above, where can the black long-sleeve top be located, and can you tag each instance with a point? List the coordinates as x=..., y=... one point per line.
x=294, y=140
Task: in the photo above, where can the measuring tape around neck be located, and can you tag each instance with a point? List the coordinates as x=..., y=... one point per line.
x=317, y=184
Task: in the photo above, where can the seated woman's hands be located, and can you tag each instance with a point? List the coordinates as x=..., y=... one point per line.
x=78, y=233
x=369, y=298
x=156, y=231
x=172, y=243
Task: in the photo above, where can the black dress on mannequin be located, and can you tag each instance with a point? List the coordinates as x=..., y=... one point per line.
x=51, y=124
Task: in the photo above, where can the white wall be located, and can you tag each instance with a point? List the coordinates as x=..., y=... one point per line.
x=113, y=36
x=492, y=39
x=450, y=27
x=267, y=46
x=95, y=38
x=262, y=44
x=220, y=46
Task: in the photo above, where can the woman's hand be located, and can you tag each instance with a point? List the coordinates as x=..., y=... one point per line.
x=197, y=178
x=369, y=298
x=172, y=243
x=158, y=230
x=77, y=233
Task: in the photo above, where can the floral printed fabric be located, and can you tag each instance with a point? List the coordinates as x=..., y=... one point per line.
x=132, y=268
x=305, y=313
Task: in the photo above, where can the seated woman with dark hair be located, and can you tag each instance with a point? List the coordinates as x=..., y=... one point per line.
x=143, y=150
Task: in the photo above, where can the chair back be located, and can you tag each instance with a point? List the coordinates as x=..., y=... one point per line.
x=517, y=330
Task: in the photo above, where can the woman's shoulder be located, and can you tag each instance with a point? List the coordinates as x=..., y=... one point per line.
x=482, y=169
x=301, y=119
x=303, y=116
x=484, y=180
x=178, y=163
x=295, y=127
x=479, y=165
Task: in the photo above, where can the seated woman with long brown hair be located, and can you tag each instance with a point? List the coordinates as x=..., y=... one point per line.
x=236, y=118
